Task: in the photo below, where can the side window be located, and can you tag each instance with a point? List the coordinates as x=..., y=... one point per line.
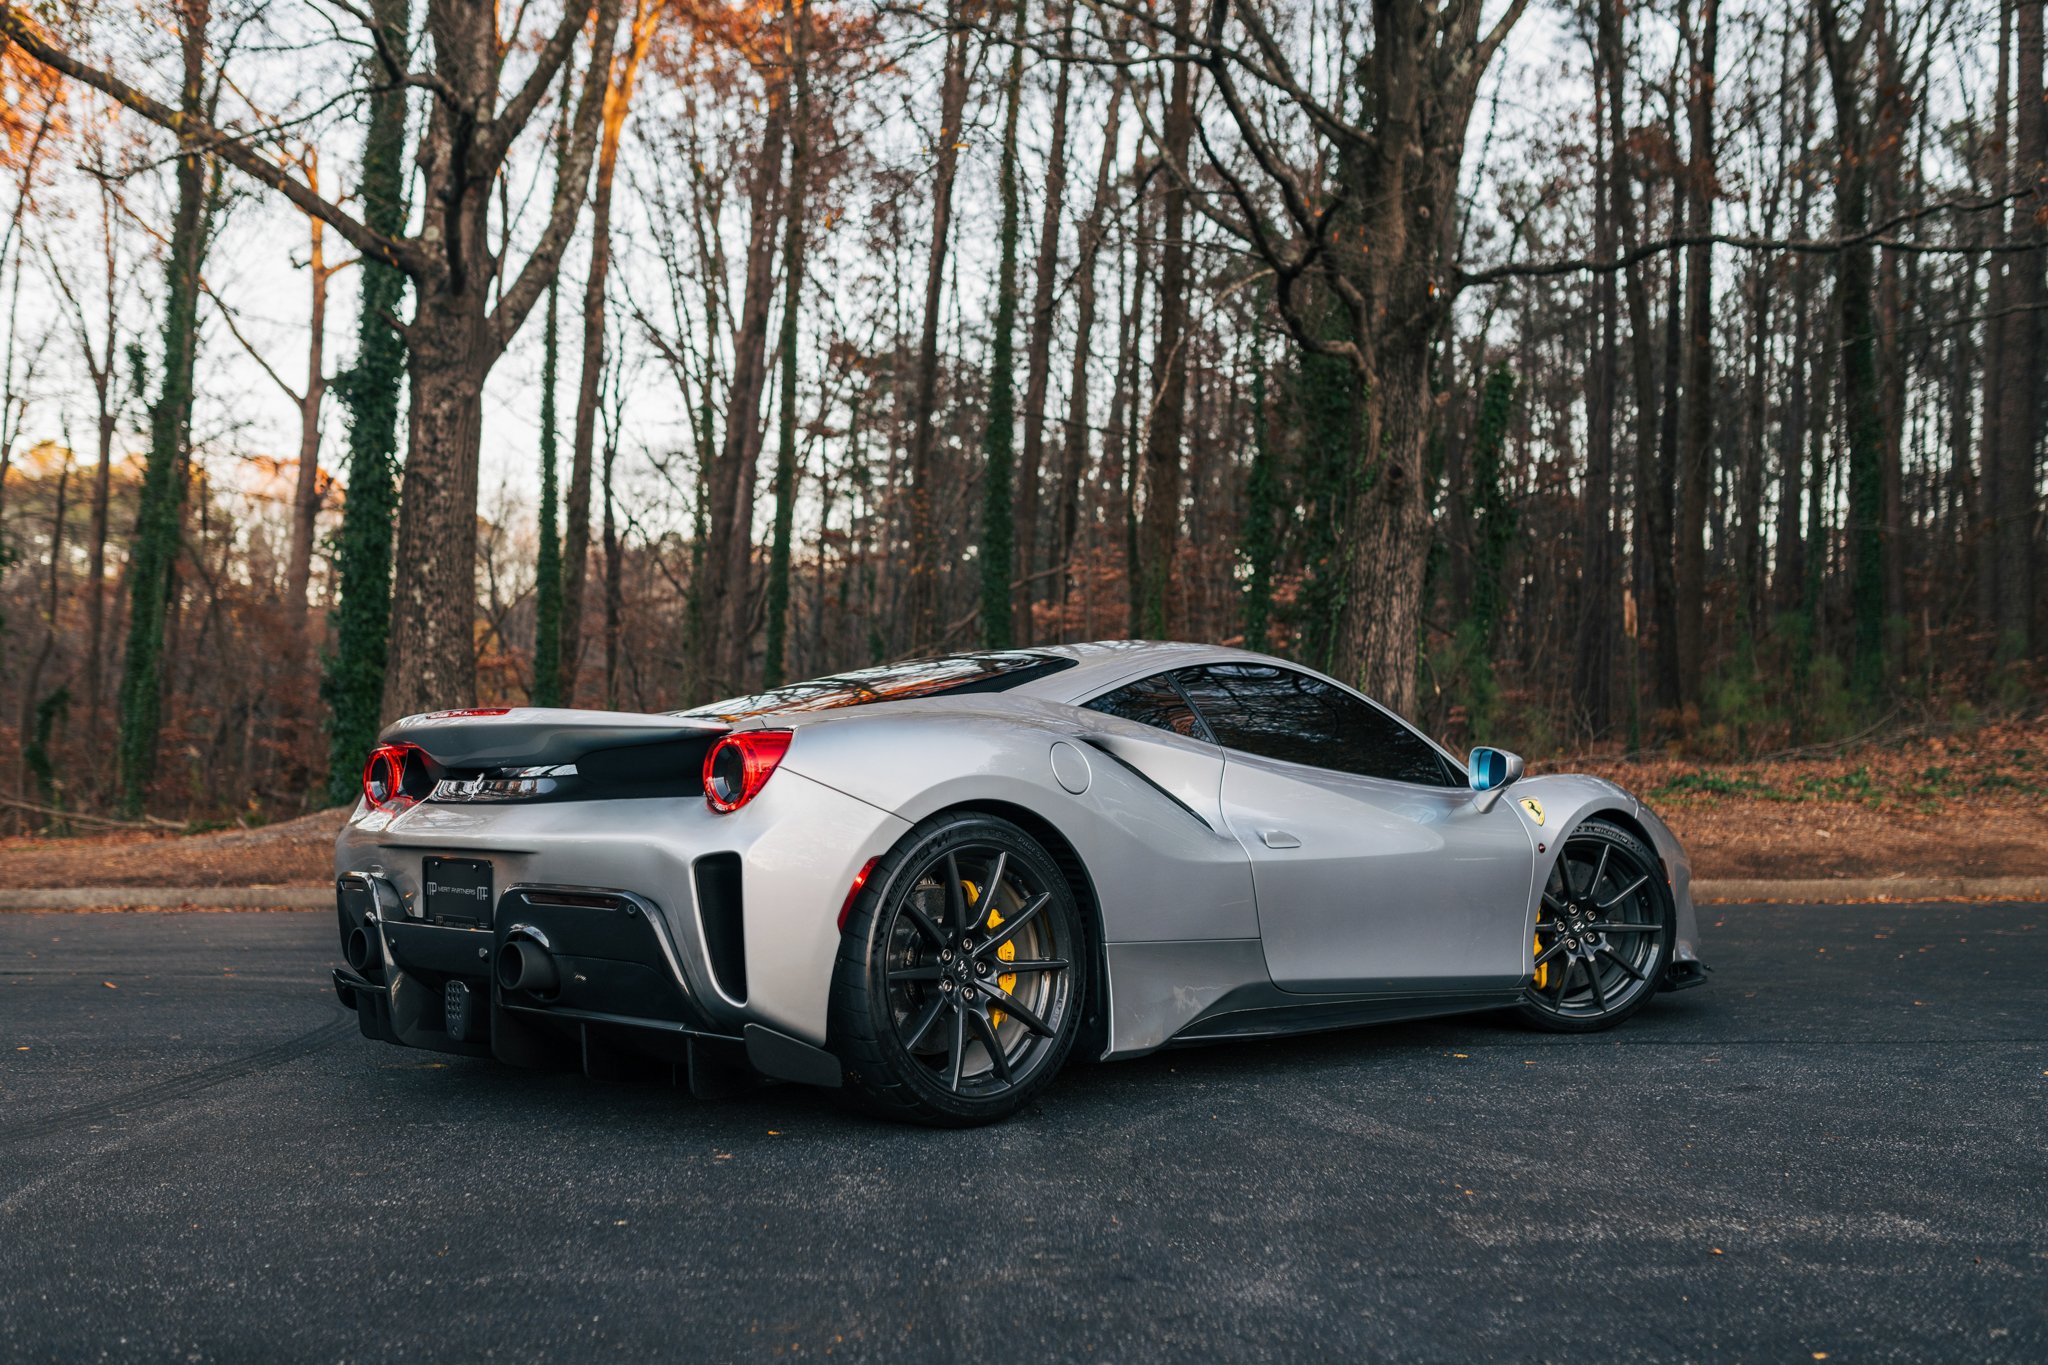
x=1153, y=701
x=1278, y=713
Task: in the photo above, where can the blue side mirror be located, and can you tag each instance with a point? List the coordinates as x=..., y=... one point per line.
x=1492, y=769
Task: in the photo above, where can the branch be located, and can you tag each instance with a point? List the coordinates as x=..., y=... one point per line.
x=1878, y=235
x=496, y=140
x=518, y=299
x=401, y=253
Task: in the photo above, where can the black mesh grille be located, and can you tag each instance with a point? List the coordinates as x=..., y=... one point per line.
x=719, y=907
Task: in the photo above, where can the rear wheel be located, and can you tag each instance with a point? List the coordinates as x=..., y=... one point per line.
x=1603, y=935
x=958, y=992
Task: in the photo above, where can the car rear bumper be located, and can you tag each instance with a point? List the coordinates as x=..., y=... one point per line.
x=677, y=934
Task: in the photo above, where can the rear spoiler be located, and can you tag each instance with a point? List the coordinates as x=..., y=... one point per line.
x=537, y=736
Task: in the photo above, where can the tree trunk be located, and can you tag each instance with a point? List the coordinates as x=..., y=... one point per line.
x=1984, y=530
x=1697, y=434
x=998, y=530
x=797, y=21
x=353, y=682
x=2020, y=392
x=922, y=597
x=1038, y=342
x=547, y=563
x=306, y=490
x=1074, y=455
x=729, y=562
x=163, y=485
x=1862, y=403
x=1593, y=665
x=618, y=99
x=1159, y=526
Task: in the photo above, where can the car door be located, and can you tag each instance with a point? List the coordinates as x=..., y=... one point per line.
x=1372, y=867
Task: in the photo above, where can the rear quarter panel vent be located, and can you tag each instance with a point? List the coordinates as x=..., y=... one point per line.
x=722, y=913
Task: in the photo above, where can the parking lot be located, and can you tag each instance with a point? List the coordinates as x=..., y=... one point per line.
x=1839, y=1146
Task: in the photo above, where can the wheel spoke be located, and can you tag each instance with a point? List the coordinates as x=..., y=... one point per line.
x=931, y=973
x=1551, y=901
x=923, y=921
x=1013, y=924
x=1010, y=1005
x=1600, y=870
x=959, y=1056
x=1563, y=979
x=956, y=895
x=985, y=1031
x=922, y=1025
x=1050, y=964
x=1633, y=887
x=988, y=893
x=1548, y=953
x=1621, y=928
x=1611, y=957
x=1593, y=980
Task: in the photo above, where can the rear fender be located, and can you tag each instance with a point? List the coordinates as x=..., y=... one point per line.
x=1160, y=868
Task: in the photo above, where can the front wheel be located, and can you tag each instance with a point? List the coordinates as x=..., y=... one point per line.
x=959, y=986
x=1603, y=935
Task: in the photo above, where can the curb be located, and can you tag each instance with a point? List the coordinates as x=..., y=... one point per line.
x=169, y=898
x=1822, y=891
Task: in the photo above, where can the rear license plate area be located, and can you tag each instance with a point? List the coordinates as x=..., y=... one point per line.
x=458, y=890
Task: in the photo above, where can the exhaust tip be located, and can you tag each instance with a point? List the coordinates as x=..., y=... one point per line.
x=360, y=950
x=524, y=965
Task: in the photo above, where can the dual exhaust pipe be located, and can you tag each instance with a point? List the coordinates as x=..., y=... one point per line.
x=523, y=963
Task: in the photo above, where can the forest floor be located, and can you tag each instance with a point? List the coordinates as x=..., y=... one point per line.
x=1958, y=805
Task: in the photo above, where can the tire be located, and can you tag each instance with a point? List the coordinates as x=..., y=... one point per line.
x=1603, y=934
x=961, y=980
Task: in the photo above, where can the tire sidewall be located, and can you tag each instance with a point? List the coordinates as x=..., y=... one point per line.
x=879, y=1068
x=1667, y=919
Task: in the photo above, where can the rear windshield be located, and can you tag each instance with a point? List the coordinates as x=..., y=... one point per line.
x=996, y=671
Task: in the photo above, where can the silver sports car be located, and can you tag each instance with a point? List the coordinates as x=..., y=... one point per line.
x=931, y=883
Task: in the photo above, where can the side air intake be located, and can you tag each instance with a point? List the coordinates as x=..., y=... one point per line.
x=721, y=911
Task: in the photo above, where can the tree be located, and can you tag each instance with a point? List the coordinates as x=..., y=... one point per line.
x=922, y=594
x=796, y=38
x=352, y=679
x=998, y=528
x=462, y=320
x=1159, y=526
x=1862, y=134
x=158, y=527
x=1374, y=242
x=1701, y=25
x=618, y=101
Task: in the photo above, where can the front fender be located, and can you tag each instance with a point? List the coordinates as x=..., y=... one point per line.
x=1568, y=799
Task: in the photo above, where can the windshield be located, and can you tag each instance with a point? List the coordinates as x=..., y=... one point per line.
x=994, y=671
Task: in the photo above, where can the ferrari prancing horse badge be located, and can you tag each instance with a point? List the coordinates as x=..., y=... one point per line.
x=1534, y=807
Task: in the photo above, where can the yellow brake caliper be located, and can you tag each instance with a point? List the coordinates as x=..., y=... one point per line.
x=1542, y=972
x=1007, y=953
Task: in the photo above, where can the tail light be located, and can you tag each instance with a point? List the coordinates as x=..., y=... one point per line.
x=395, y=777
x=739, y=765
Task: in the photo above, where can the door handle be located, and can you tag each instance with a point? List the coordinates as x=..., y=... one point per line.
x=1279, y=838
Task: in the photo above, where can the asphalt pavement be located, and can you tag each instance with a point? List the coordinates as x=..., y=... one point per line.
x=1836, y=1149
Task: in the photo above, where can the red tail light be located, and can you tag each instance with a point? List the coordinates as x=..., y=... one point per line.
x=467, y=711
x=394, y=776
x=739, y=765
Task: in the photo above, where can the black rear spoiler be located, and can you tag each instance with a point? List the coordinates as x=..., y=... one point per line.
x=537, y=736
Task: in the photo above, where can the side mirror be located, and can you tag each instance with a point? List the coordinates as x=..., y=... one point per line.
x=1491, y=771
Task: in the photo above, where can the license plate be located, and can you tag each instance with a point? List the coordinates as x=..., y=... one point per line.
x=458, y=890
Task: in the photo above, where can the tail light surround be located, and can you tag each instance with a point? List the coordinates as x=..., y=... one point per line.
x=739, y=765
x=395, y=777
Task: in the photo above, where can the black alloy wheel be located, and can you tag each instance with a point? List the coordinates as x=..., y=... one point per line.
x=1603, y=935
x=961, y=975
